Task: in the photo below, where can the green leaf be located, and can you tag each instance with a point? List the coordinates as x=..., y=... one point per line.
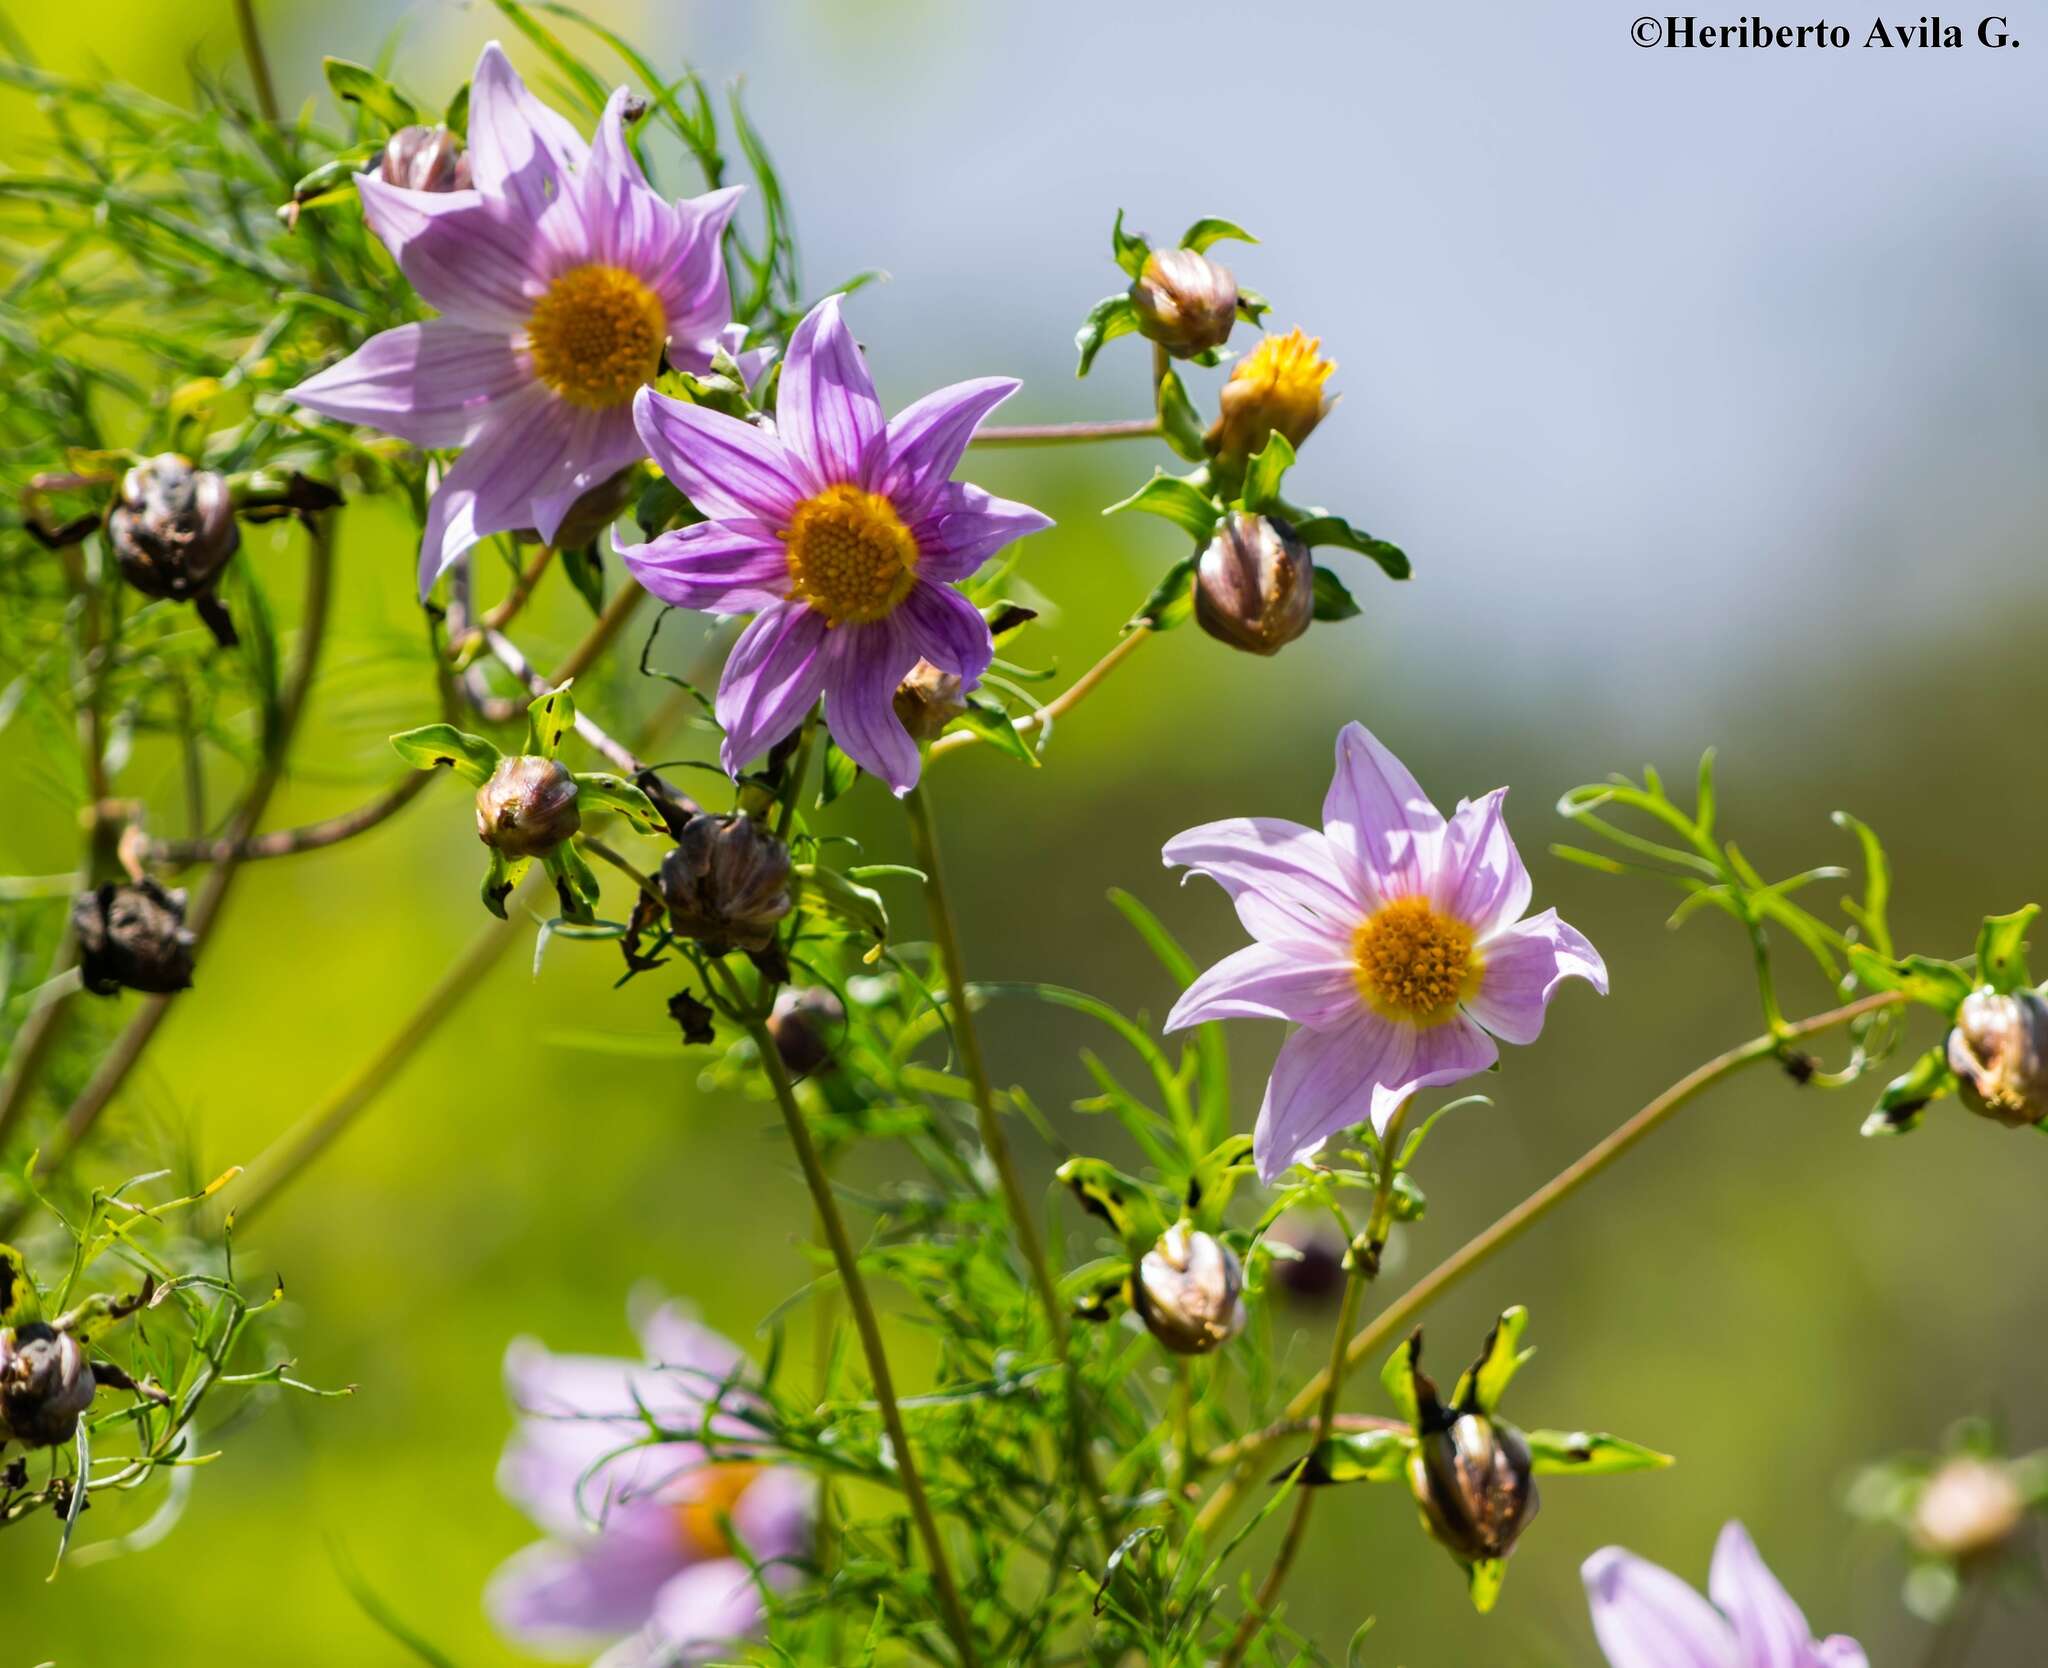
x=456, y=120
x=1907, y=1095
x=1172, y=601
x=1251, y=306
x=846, y=901
x=548, y=719
x=1483, y=1383
x=1179, y=500
x=1212, y=1049
x=1483, y=1582
x=835, y=775
x=1179, y=423
x=1409, y=1202
x=1940, y=985
x=1130, y=251
x=1124, y=1202
x=575, y=884
x=1215, y=1179
x=990, y=719
x=1213, y=229
x=1589, y=1454
x=618, y=794
x=1398, y=1376
x=2002, y=950
x=378, y=99
x=501, y=879
x=1359, y=1457
x=1872, y=913
x=1316, y=528
x=18, y=1299
x=1333, y=602
x=1264, y=474
x=1416, y=1136
x=586, y=572
x=433, y=745
x=1109, y=318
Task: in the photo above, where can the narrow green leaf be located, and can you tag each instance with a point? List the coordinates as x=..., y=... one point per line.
x=1130, y=251
x=365, y=88
x=1500, y=1358
x=1179, y=500
x=2002, y=950
x=1908, y=1095
x=836, y=775
x=990, y=719
x=18, y=1299
x=1940, y=985
x=1872, y=914
x=548, y=719
x=834, y=896
x=1124, y=1202
x=1213, y=229
x=432, y=745
x=1359, y=1457
x=586, y=572
x=1333, y=602
x=1398, y=1377
x=1179, y=423
x=1262, y=477
x=1172, y=601
x=1589, y=1454
x=1109, y=318
x=501, y=878
x=1316, y=528
x=618, y=794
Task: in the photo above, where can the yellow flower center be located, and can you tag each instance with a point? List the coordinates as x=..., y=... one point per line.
x=1414, y=964
x=596, y=336
x=1278, y=385
x=850, y=556
x=703, y=1516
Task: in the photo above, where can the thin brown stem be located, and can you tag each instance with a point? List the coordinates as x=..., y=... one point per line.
x=289, y=842
x=1064, y=702
x=1066, y=434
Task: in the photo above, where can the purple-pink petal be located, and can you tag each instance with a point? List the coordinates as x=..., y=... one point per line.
x=1324, y=1081
x=704, y=1607
x=469, y=257
x=716, y=567
x=775, y=672
x=867, y=662
x=727, y=468
x=1645, y=1617
x=1262, y=982
x=965, y=527
x=557, y=1595
x=1480, y=878
x=1839, y=1651
x=1283, y=878
x=825, y=408
x=598, y=445
x=517, y=145
x=1379, y=818
x=774, y=1517
x=1769, y=1626
x=1521, y=969
x=491, y=487
x=434, y=384
x=946, y=629
x=912, y=460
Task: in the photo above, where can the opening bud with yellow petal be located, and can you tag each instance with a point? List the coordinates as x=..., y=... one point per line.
x=528, y=807
x=1184, y=301
x=727, y=883
x=1255, y=585
x=1999, y=1053
x=1189, y=1291
x=1277, y=388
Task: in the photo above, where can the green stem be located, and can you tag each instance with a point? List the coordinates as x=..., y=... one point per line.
x=1063, y=703
x=1066, y=434
x=259, y=63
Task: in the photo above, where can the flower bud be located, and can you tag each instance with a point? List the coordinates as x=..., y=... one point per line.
x=1277, y=387
x=425, y=159
x=928, y=700
x=727, y=882
x=1184, y=301
x=132, y=937
x=173, y=527
x=806, y=1026
x=1190, y=1291
x=528, y=807
x=1255, y=586
x=1999, y=1053
x=46, y=1384
x=1969, y=1507
x=1314, y=1272
x=1471, y=1476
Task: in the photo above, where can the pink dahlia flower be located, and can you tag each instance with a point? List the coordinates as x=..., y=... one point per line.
x=1645, y=1617
x=844, y=531
x=642, y=1539
x=1394, y=939
x=561, y=279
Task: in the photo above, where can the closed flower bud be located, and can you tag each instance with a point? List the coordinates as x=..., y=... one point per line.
x=425, y=159
x=46, y=1384
x=1308, y=1264
x=727, y=882
x=1277, y=387
x=1969, y=1507
x=1184, y=301
x=173, y=527
x=1471, y=1476
x=1190, y=1291
x=806, y=1026
x=527, y=808
x=928, y=700
x=1999, y=1053
x=132, y=937
x=1255, y=586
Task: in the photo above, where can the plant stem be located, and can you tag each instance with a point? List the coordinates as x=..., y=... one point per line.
x=864, y=1321
x=259, y=63
x=1066, y=434
x=1398, y=1315
x=1063, y=703
x=288, y=842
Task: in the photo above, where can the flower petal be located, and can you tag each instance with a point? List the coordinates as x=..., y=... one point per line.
x=557, y=1595
x=774, y=673
x=913, y=459
x=691, y=284
x=867, y=663
x=472, y=258
x=727, y=468
x=1839, y=1651
x=1443, y=1054
x=826, y=410
x=966, y=526
x=705, y=1606
x=1304, y=984
x=775, y=1515
x=947, y=630
x=1768, y=1625
x=717, y=567
x=434, y=384
x=1377, y=816
x=1284, y=878
x=600, y=444
x=518, y=147
x=1480, y=879
x=1324, y=1081
x=1522, y=968
x=491, y=487
x=1645, y=1617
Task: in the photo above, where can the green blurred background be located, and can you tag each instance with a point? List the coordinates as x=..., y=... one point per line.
x=1707, y=393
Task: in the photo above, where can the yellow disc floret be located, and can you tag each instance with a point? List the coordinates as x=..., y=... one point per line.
x=596, y=336
x=1278, y=385
x=703, y=1516
x=850, y=556
x=1414, y=964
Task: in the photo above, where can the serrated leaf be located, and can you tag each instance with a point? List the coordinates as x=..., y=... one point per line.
x=1129, y=250
x=1333, y=602
x=1179, y=423
x=1213, y=228
x=1109, y=318
x=2002, y=950
x=378, y=99
x=1179, y=500
x=1172, y=601
x=434, y=745
x=618, y=794
x=550, y=718
x=1358, y=1457
x=1483, y=1383
x=1316, y=528
x=1262, y=477
x=1589, y=1454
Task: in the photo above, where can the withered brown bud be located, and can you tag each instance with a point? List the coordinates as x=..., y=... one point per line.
x=1189, y=1291
x=727, y=882
x=693, y=1016
x=425, y=159
x=806, y=1026
x=1970, y=1507
x=172, y=528
x=132, y=937
x=1999, y=1053
x=1255, y=586
x=528, y=807
x=1308, y=1261
x=928, y=700
x=46, y=1384
x=1471, y=1477
x=1185, y=302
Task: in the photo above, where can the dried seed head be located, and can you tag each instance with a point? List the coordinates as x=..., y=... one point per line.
x=1472, y=1480
x=727, y=882
x=528, y=807
x=807, y=1026
x=1255, y=584
x=172, y=528
x=1999, y=1053
x=928, y=700
x=46, y=1384
x=425, y=159
x=1970, y=1507
x=1185, y=302
x=1189, y=1291
x=132, y=937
